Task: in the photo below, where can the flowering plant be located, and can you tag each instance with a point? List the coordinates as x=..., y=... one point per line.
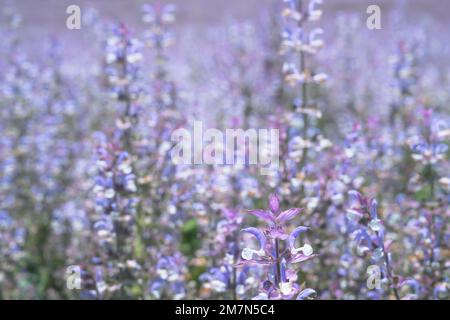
x=281, y=282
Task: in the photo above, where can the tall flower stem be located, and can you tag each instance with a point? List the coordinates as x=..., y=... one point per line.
x=388, y=266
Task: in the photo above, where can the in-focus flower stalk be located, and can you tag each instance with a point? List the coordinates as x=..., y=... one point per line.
x=277, y=251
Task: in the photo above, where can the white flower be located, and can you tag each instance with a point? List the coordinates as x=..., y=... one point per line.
x=320, y=78
x=307, y=250
x=247, y=253
x=162, y=273
x=376, y=225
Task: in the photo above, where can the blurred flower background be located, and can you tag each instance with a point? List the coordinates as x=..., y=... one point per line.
x=86, y=177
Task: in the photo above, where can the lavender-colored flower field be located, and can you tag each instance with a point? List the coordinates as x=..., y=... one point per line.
x=93, y=205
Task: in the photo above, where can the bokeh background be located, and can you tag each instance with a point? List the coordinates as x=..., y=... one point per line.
x=86, y=179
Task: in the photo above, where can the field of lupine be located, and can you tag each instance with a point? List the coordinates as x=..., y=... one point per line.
x=93, y=207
